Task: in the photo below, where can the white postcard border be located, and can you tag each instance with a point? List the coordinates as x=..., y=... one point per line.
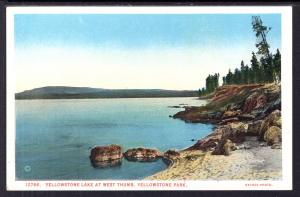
x=286, y=50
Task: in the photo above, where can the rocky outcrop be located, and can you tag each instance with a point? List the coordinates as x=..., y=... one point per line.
x=232, y=131
x=223, y=138
x=239, y=111
x=235, y=132
x=224, y=147
x=254, y=128
x=103, y=156
x=142, y=154
x=193, y=115
x=273, y=135
x=232, y=93
x=255, y=101
x=273, y=119
x=171, y=154
x=234, y=103
x=259, y=127
x=106, y=153
x=230, y=114
x=175, y=106
x=209, y=142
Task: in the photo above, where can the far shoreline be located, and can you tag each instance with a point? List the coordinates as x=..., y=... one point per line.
x=197, y=97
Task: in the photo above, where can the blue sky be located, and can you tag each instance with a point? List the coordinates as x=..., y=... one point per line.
x=138, y=30
x=102, y=39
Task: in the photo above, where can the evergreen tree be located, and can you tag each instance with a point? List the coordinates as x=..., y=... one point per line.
x=237, y=76
x=247, y=74
x=243, y=79
x=224, y=80
x=211, y=83
x=266, y=70
x=229, y=77
x=261, y=32
x=203, y=91
x=277, y=65
x=200, y=92
x=208, y=83
x=255, y=69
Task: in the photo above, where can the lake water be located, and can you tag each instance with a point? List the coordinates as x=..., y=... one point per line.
x=54, y=137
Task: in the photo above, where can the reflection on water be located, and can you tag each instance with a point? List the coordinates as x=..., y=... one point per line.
x=106, y=164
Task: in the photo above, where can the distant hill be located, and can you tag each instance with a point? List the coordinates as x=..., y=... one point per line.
x=65, y=92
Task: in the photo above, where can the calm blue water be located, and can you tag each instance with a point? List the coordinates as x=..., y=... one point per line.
x=54, y=137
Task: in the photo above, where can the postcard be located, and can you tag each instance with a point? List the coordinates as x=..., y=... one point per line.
x=149, y=98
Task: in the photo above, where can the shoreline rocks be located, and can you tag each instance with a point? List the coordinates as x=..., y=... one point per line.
x=248, y=122
x=250, y=116
x=225, y=137
x=175, y=106
x=224, y=147
x=254, y=101
x=171, y=154
x=111, y=156
x=142, y=154
x=235, y=103
x=169, y=157
x=273, y=135
x=102, y=156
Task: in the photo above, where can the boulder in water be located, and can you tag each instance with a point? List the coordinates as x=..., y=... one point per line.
x=106, y=153
x=142, y=154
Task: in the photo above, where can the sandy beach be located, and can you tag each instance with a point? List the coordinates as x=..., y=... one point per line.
x=253, y=160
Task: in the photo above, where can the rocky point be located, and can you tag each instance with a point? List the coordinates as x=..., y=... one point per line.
x=254, y=112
